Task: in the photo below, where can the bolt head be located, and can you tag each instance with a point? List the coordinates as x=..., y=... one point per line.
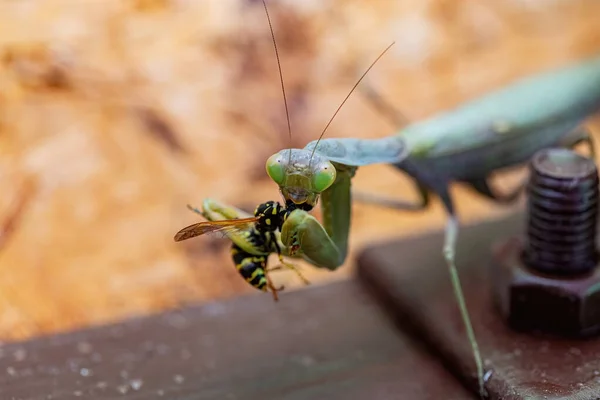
x=562, y=164
x=532, y=301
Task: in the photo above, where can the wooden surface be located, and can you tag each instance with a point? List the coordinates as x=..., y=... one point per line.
x=411, y=277
x=115, y=114
x=329, y=342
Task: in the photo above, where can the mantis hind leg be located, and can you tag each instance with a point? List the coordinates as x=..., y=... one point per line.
x=483, y=187
x=581, y=135
x=449, y=251
x=590, y=142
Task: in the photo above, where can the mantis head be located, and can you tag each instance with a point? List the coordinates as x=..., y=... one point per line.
x=302, y=175
x=301, y=178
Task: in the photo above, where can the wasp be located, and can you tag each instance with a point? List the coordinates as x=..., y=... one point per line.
x=254, y=238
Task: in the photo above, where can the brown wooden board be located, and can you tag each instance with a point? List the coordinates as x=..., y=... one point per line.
x=324, y=342
x=412, y=278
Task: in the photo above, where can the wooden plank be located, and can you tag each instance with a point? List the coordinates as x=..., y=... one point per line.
x=325, y=342
x=412, y=278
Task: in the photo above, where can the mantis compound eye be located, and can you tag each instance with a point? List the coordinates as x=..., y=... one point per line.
x=276, y=168
x=324, y=176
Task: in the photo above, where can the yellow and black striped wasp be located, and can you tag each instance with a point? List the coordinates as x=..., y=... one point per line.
x=254, y=238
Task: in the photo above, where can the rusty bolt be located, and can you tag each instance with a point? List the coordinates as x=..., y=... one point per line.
x=548, y=281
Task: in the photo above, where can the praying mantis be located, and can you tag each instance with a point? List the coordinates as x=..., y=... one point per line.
x=467, y=144
x=501, y=129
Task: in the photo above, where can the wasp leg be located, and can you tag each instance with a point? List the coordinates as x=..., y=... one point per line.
x=194, y=209
x=214, y=210
x=287, y=265
x=293, y=268
x=274, y=290
x=270, y=285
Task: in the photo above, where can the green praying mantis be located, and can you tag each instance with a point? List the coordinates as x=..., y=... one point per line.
x=502, y=129
x=467, y=144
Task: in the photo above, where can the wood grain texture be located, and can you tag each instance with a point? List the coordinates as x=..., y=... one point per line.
x=118, y=113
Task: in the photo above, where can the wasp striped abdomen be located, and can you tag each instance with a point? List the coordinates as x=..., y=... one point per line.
x=251, y=267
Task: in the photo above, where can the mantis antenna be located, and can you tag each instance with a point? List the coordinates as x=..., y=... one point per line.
x=287, y=113
x=343, y=102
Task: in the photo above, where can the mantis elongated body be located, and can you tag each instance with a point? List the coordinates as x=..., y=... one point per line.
x=467, y=144
x=502, y=129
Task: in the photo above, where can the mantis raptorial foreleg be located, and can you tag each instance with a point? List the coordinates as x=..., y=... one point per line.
x=306, y=237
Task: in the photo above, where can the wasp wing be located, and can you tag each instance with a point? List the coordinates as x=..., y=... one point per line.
x=206, y=227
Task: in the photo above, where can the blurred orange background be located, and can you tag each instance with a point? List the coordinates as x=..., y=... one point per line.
x=115, y=114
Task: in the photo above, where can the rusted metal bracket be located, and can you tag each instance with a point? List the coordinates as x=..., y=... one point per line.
x=411, y=278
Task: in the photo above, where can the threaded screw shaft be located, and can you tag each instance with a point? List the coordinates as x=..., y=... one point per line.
x=562, y=213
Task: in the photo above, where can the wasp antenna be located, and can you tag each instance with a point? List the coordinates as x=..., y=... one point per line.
x=287, y=113
x=343, y=102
